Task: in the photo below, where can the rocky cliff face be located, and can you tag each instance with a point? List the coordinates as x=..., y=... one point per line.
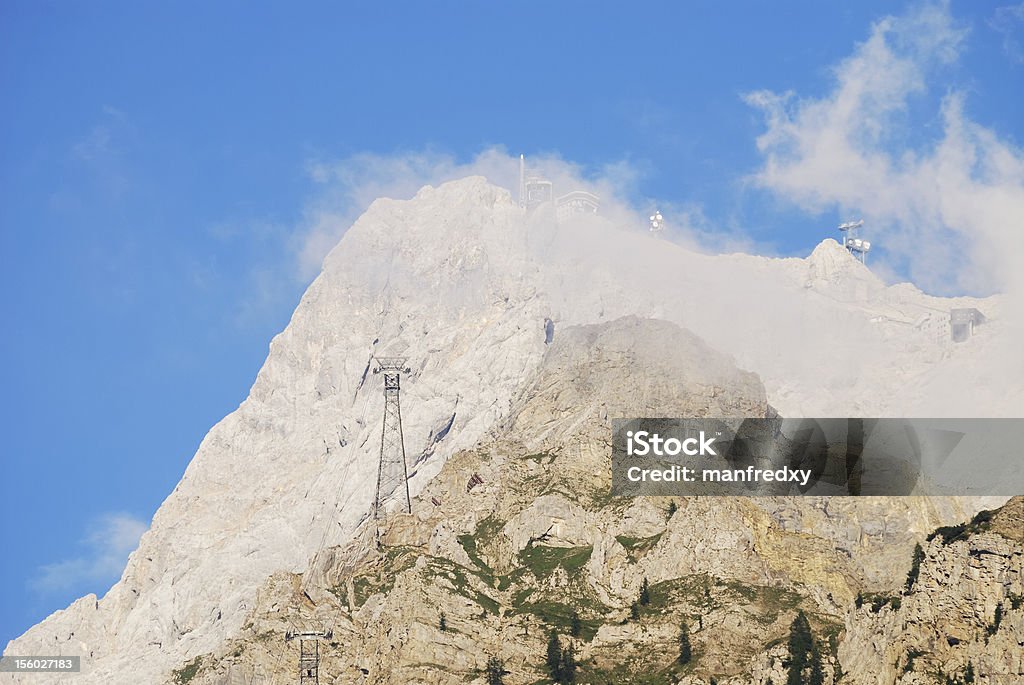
x=964, y=611
x=538, y=541
x=461, y=282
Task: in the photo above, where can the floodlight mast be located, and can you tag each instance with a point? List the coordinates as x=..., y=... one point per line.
x=856, y=246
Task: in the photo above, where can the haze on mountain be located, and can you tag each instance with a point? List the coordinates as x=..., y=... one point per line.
x=461, y=281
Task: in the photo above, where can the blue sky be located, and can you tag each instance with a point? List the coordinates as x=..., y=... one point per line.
x=171, y=174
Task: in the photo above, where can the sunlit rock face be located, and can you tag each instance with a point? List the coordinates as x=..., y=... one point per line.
x=486, y=302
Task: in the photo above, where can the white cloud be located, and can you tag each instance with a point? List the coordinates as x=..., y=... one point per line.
x=100, y=163
x=106, y=139
x=344, y=189
x=347, y=187
x=952, y=209
x=1009, y=21
x=291, y=255
x=95, y=145
x=944, y=210
x=108, y=543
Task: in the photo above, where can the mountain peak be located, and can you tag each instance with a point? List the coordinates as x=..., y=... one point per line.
x=475, y=186
x=477, y=296
x=831, y=262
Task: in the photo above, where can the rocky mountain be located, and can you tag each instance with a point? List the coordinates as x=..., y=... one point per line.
x=963, y=612
x=539, y=541
x=268, y=528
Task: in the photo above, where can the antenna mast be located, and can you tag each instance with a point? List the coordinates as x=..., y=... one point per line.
x=522, y=180
x=851, y=241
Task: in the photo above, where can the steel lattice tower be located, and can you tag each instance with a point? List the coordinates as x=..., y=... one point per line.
x=392, y=472
x=309, y=654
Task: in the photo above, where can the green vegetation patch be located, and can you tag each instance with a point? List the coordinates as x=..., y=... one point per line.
x=369, y=585
x=690, y=590
x=559, y=616
x=539, y=457
x=505, y=582
x=468, y=542
x=489, y=604
x=457, y=578
x=382, y=579
x=187, y=672
x=543, y=560
x=775, y=600
x=520, y=597
x=485, y=532
x=828, y=632
x=912, y=655
x=638, y=547
x=704, y=593
x=488, y=528
x=769, y=602
x=878, y=601
x=631, y=672
x=981, y=522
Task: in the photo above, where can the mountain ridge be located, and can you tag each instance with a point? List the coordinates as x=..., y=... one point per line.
x=461, y=280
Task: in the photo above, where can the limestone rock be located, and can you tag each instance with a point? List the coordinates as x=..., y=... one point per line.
x=462, y=281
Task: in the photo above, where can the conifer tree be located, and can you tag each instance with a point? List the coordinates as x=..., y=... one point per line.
x=817, y=675
x=685, y=653
x=495, y=671
x=915, y=567
x=554, y=657
x=567, y=665
x=574, y=624
x=645, y=593
x=801, y=643
x=993, y=628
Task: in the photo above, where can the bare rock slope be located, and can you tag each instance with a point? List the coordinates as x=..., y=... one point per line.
x=460, y=280
x=488, y=567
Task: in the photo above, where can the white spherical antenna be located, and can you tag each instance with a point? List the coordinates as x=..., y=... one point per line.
x=657, y=221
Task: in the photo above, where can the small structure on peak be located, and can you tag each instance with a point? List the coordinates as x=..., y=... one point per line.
x=576, y=202
x=536, y=190
x=852, y=242
x=963, y=321
x=657, y=222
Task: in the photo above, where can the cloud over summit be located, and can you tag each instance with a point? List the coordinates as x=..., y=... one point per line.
x=949, y=208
